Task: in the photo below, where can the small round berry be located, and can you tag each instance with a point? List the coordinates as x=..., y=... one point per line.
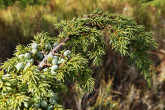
x=31, y=60
x=21, y=56
x=54, y=61
x=52, y=101
x=34, y=51
x=66, y=53
x=48, y=46
x=54, y=68
x=55, y=44
x=61, y=61
x=52, y=94
x=50, y=107
x=37, y=105
x=27, y=55
x=20, y=66
x=26, y=104
x=53, y=73
x=56, y=57
x=45, y=69
x=50, y=56
x=44, y=104
x=34, y=45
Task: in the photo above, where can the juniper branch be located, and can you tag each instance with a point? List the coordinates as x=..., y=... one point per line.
x=87, y=45
x=55, y=49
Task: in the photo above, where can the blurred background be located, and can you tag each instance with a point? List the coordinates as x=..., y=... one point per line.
x=121, y=87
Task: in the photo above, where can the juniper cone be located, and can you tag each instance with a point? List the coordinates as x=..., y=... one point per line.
x=20, y=66
x=44, y=103
x=54, y=61
x=54, y=68
x=56, y=57
x=27, y=55
x=31, y=60
x=34, y=45
x=34, y=51
x=85, y=37
x=53, y=73
x=21, y=56
x=50, y=107
x=48, y=46
x=37, y=105
x=53, y=101
x=55, y=44
x=61, y=61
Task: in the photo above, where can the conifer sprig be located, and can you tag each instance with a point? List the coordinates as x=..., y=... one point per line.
x=38, y=73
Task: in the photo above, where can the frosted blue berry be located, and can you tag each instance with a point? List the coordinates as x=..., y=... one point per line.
x=55, y=44
x=26, y=104
x=54, y=68
x=34, y=45
x=48, y=46
x=31, y=60
x=53, y=73
x=37, y=105
x=56, y=57
x=50, y=56
x=52, y=101
x=61, y=61
x=52, y=94
x=20, y=66
x=50, y=107
x=21, y=56
x=45, y=69
x=44, y=104
x=27, y=55
x=67, y=53
x=34, y=51
x=54, y=61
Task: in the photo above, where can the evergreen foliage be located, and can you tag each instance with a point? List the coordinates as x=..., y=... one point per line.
x=33, y=79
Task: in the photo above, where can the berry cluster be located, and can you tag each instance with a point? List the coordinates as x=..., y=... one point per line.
x=44, y=104
x=34, y=56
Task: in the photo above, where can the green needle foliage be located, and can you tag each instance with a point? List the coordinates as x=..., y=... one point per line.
x=31, y=81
